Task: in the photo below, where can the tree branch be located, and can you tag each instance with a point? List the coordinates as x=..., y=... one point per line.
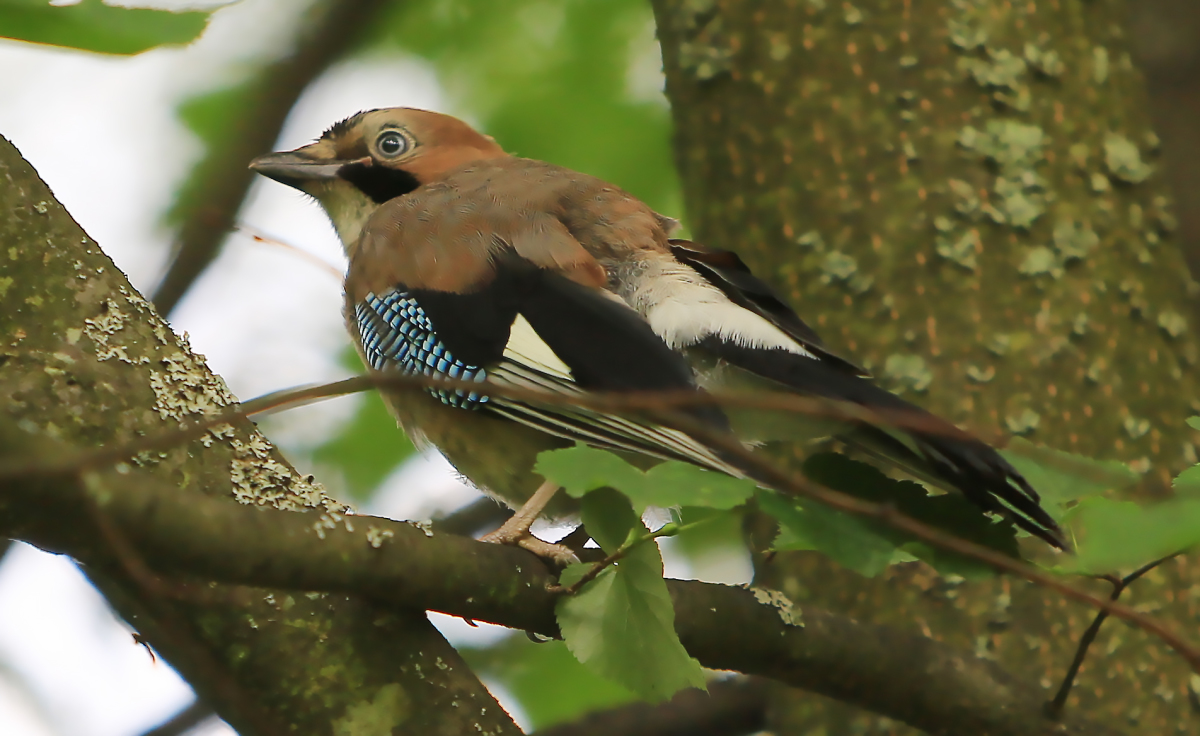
x=221, y=179
x=183, y=721
x=198, y=538
x=86, y=361
x=777, y=477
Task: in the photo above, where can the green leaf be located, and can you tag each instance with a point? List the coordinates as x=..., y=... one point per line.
x=91, y=25
x=1062, y=478
x=622, y=626
x=709, y=531
x=550, y=684
x=1194, y=422
x=1120, y=535
x=808, y=525
x=951, y=513
x=1188, y=482
x=215, y=117
x=581, y=469
x=609, y=518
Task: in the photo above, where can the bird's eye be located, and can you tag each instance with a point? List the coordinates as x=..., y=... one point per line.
x=391, y=144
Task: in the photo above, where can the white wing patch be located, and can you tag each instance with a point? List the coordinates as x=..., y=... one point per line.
x=683, y=309
x=530, y=363
x=526, y=347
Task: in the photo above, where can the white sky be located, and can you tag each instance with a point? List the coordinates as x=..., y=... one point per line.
x=102, y=132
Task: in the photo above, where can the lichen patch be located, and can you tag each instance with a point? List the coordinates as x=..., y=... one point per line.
x=102, y=331
x=788, y=612
x=382, y=715
x=1123, y=159
x=186, y=388
x=260, y=480
x=376, y=536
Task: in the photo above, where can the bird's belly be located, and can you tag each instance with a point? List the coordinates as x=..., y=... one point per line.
x=496, y=455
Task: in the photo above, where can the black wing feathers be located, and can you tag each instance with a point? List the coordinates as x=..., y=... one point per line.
x=725, y=270
x=474, y=326
x=607, y=345
x=956, y=458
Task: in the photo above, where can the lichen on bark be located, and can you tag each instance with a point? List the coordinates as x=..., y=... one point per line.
x=85, y=361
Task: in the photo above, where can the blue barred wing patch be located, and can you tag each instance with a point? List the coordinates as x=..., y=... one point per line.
x=396, y=332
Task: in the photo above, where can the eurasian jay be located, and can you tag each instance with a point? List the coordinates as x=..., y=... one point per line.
x=470, y=263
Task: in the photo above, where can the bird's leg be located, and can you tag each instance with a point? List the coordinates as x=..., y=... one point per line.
x=515, y=531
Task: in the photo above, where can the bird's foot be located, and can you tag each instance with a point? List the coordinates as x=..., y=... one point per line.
x=518, y=537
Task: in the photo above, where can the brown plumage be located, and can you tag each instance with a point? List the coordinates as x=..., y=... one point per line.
x=467, y=261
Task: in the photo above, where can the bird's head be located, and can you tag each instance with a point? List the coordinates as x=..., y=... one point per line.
x=374, y=156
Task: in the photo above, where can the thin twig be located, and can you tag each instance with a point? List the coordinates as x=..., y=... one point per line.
x=797, y=485
x=600, y=401
x=259, y=236
x=329, y=31
x=666, y=530
x=778, y=478
x=1055, y=707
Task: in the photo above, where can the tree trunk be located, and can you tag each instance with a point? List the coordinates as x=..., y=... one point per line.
x=963, y=196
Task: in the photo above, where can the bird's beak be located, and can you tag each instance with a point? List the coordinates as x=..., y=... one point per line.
x=296, y=170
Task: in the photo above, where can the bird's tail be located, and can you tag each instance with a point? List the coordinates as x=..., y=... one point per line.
x=955, y=461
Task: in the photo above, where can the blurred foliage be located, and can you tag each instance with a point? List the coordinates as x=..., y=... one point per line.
x=90, y=25
x=551, y=685
x=216, y=118
x=574, y=82
x=366, y=450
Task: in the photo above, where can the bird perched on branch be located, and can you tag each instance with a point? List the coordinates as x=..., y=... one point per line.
x=469, y=263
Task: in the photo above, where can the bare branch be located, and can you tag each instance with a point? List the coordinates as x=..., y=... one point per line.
x=778, y=478
x=1055, y=706
x=194, y=538
x=331, y=28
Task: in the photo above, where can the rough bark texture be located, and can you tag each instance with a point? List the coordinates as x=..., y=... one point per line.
x=963, y=195
x=1166, y=36
x=86, y=361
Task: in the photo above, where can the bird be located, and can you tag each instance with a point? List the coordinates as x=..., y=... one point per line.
x=470, y=263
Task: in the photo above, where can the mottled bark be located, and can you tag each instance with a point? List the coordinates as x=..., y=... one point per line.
x=1166, y=36
x=86, y=361
x=966, y=196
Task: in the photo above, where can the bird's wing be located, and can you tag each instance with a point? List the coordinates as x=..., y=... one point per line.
x=727, y=330
x=726, y=271
x=530, y=327
x=927, y=446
